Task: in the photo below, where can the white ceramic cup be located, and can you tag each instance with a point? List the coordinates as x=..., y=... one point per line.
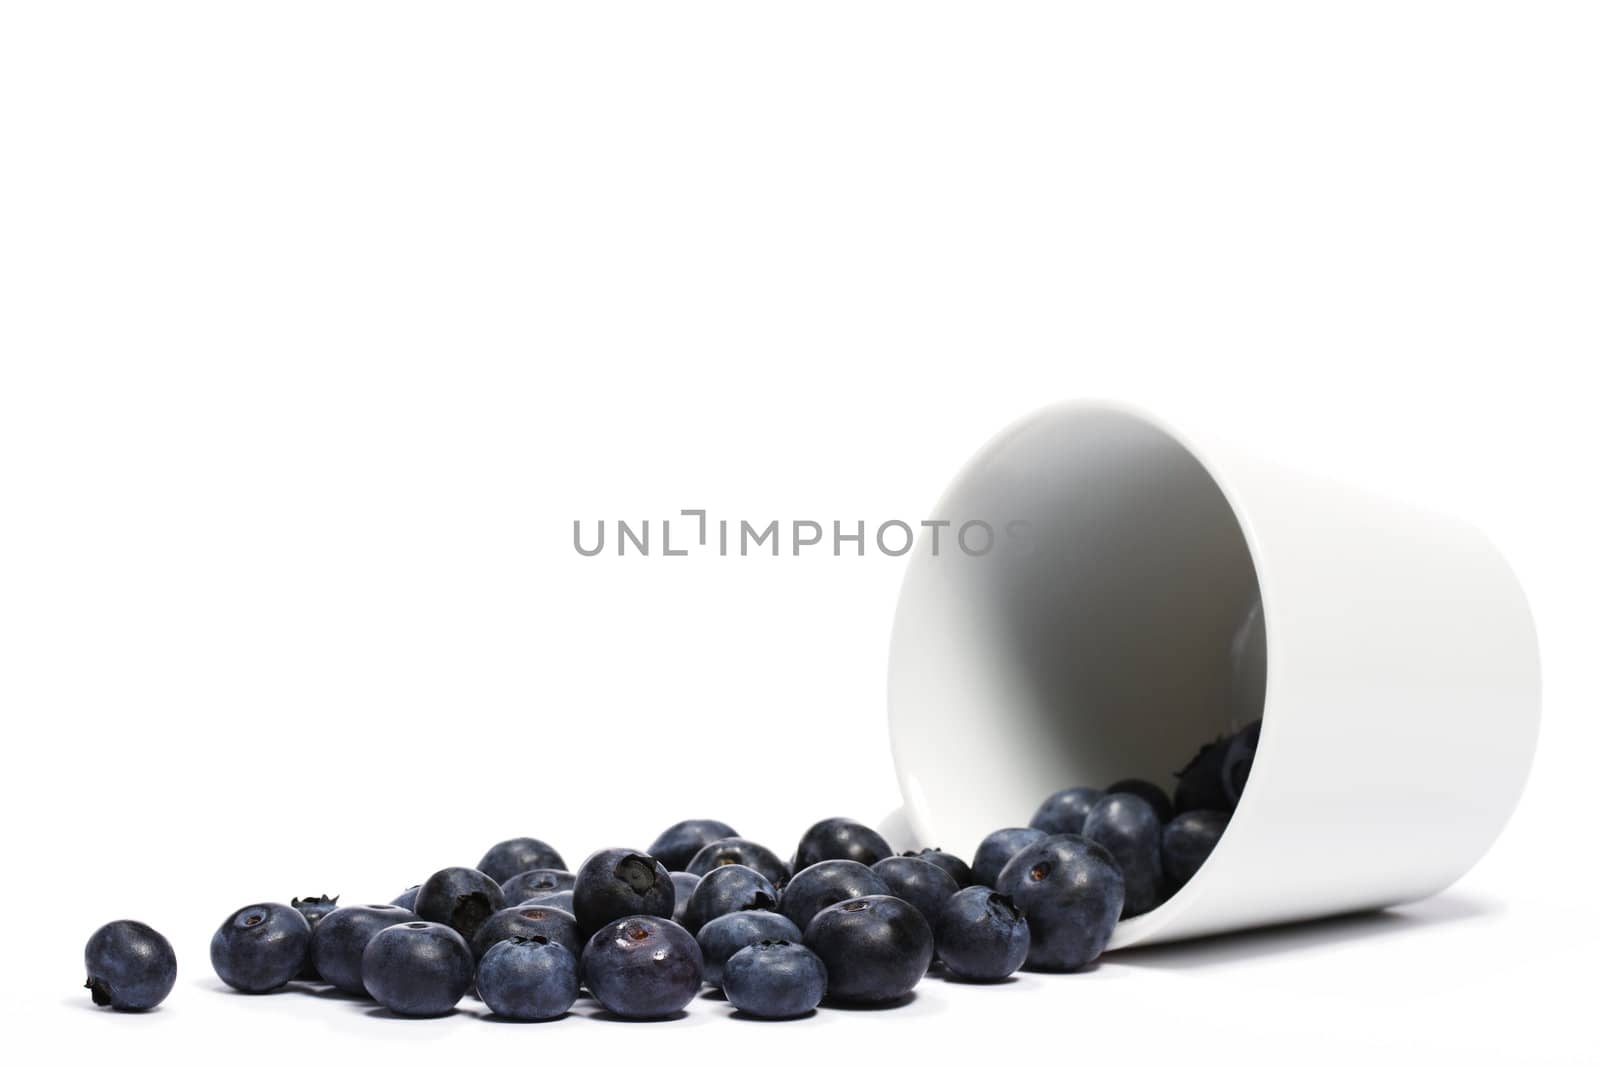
x=1400, y=701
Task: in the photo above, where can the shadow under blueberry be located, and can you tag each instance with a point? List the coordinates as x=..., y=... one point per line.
x=380, y=1012
x=605, y=1016
x=715, y=994
x=746, y=1017
x=875, y=1005
x=491, y=1017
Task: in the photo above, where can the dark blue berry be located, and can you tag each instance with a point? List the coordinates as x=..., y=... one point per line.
x=642, y=967
x=1070, y=891
x=678, y=843
x=461, y=898
x=130, y=966
x=683, y=886
x=1200, y=786
x=408, y=899
x=1130, y=831
x=417, y=968
x=727, y=889
x=953, y=865
x=528, y=978
x=840, y=839
x=1186, y=842
x=519, y=854
x=723, y=936
x=775, y=979
x=340, y=939
x=823, y=884
x=314, y=909
x=981, y=935
x=996, y=850
x=1063, y=811
x=875, y=949
x=616, y=882
x=260, y=947
x=1238, y=760
x=1148, y=792
x=918, y=883
x=529, y=920
x=728, y=850
x=536, y=883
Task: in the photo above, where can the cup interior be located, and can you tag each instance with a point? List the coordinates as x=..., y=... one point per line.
x=1111, y=634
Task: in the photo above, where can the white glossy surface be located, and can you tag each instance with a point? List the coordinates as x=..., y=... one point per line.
x=1402, y=681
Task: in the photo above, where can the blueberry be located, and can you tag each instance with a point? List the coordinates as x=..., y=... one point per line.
x=615, y=882
x=529, y=920
x=1237, y=761
x=1130, y=831
x=876, y=948
x=683, y=887
x=679, y=842
x=417, y=968
x=981, y=935
x=460, y=897
x=562, y=900
x=739, y=850
x=408, y=899
x=1063, y=811
x=1186, y=842
x=1200, y=782
x=1070, y=891
x=519, y=854
x=314, y=909
x=529, y=978
x=918, y=883
x=840, y=839
x=260, y=947
x=642, y=967
x=953, y=865
x=775, y=979
x=727, y=889
x=130, y=966
x=723, y=936
x=996, y=850
x=823, y=884
x=339, y=940
x=1148, y=792
x=530, y=884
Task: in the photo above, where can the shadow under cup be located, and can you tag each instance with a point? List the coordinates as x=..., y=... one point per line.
x=1140, y=601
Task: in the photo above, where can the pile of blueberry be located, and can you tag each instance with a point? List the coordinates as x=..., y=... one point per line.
x=642, y=931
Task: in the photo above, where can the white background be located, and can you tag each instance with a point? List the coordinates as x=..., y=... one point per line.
x=322, y=322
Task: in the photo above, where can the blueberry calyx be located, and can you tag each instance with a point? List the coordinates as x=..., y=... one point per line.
x=471, y=910
x=1039, y=872
x=857, y=905
x=1003, y=908
x=638, y=872
x=99, y=992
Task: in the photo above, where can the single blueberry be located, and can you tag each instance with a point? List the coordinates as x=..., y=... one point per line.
x=408, y=899
x=519, y=854
x=1128, y=828
x=642, y=967
x=996, y=850
x=981, y=935
x=460, y=897
x=918, y=883
x=683, y=887
x=840, y=839
x=528, y=978
x=340, y=939
x=1070, y=890
x=953, y=865
x=1063, y=812
x=775, y=979
x=723, y=936
x=530, y=884
x=260, y=947
x=824, y=884
x=742, y=851
x=615, y=882
x=1238, y=760
x=730, y=888
x=875, y=948
x=678, y=843
x=1200, y=785
x=1146, y=791
x=314, y=909
x=417, y=968
x=1187, y=841
x=529, y=920
x=130, y=966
